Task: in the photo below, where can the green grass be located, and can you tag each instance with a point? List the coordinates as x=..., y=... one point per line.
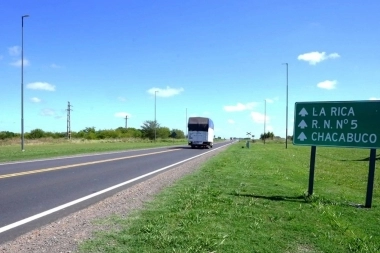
x=47, y=148
x=254, y=200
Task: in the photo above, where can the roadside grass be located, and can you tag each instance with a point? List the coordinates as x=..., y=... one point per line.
x=10, y=150
x=254, y=200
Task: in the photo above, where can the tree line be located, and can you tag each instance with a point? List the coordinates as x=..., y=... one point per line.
x=149, y=130
x=271, y=136
x=268, y=135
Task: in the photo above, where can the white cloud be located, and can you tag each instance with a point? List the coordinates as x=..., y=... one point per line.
x=47, y=112
x=259, y=117
x=122, y=115
x=121, y=99
x=14, y=51
x=41, y=86
x=315, y=57
x=373, y=98
x=239, y=107
x=168, y=92
x=35, y=100
x=328, y=85
x=17, y=63
x=55, y=66
x=270, y=101
x=269, y=128
x=333, y=56
x=231, y=121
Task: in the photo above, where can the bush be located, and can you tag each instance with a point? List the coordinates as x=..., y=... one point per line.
x=6, y=135
x=35, y=134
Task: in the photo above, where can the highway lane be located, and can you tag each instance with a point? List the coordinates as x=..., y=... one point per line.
x=34, y=187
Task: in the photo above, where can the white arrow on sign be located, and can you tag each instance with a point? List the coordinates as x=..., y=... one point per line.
x=303, y=112
x=302, y=124
x=302, y=137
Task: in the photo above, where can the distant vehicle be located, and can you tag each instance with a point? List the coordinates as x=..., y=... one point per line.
x=200, y=132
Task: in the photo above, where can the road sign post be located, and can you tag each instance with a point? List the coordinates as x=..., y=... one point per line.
x=371, y=178
x=312, y=169
x=353, y=124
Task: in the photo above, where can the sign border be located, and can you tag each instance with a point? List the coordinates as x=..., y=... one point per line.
x=330, y=102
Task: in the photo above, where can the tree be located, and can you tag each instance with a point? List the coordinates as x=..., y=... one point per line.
x=87, y=133
x=163, y=132
x=148, y=129
x=88, y=130
x=35, y=134
x=56, y=135
x=177, y=134
x=122, y=130
x=133, y=132
x=267, y=136
x=107, y=134
x=6, y=134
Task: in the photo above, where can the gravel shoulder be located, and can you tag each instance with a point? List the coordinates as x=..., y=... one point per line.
x=65, y=234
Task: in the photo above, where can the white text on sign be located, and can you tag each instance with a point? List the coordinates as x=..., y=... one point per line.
x=335, y=111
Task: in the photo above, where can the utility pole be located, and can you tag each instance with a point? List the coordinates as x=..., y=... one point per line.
x=265, y=117
x=22, y=81
x=186, y=124
x=286, y=134
x=68, y=132
x=126, y=121
x=155, y=121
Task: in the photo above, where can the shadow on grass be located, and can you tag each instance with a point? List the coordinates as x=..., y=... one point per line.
x=300, y=198
x=361, y=160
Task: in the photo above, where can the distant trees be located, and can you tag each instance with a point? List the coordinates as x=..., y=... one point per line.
x=149, y=128
x=107, y=134
x=35, y=134
x=163, y=132
x=177, y=134
x=90, y=133
x=268, y=135
x=129, y=132
x=6, y=135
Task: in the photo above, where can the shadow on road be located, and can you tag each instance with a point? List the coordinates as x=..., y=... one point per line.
x=185, y=147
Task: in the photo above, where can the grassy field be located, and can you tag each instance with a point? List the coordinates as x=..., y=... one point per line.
x=254, y=200
x=10, y=150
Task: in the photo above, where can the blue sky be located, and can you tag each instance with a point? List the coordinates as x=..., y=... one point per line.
x=217, y=59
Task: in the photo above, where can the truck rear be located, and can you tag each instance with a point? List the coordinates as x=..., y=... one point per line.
x=200, y=132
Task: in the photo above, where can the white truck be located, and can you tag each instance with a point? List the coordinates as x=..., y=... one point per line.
x=200, y=132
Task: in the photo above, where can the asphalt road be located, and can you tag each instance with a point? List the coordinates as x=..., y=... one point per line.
x=34, y=193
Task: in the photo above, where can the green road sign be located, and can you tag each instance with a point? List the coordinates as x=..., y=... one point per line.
x=341, y=123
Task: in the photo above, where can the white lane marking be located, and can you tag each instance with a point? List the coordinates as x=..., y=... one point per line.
x=69, y=166
x=58, y=208
x=84, y=155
